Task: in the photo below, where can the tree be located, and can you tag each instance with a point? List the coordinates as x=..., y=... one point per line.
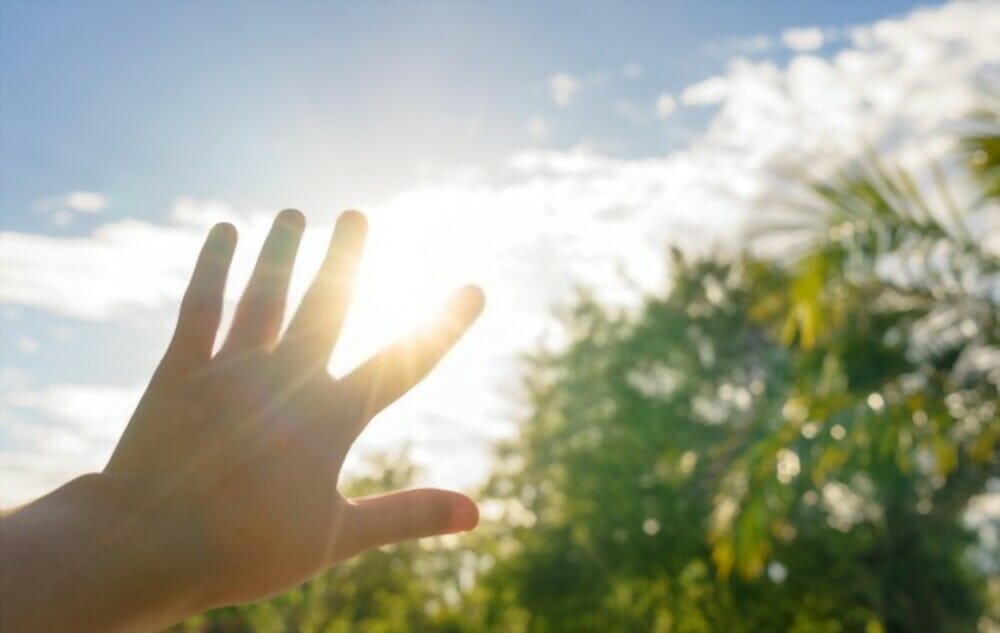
x=779, y=443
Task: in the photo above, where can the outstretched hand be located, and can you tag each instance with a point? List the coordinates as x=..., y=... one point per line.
x=236, y=454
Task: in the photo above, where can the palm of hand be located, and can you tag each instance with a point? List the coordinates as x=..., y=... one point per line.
x=244, y=448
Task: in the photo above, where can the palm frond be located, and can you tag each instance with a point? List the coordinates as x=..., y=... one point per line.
x=979, y=146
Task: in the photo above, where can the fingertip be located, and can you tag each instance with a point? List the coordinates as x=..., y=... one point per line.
x=354, y=216
x=353, y=222
x=223, y=232
x=291, y=219
x=464, y=515
x=467, y=302
x=474, y=293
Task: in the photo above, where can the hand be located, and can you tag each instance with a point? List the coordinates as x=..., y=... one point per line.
x=237, y=454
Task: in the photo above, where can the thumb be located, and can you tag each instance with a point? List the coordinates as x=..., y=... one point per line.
x=407, y=514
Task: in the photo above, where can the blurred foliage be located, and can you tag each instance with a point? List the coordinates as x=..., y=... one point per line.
x=779, y=443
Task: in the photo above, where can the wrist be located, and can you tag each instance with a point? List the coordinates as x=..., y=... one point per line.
x=149, y=553
x=150, y=541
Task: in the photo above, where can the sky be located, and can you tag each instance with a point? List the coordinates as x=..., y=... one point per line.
x=531, y=148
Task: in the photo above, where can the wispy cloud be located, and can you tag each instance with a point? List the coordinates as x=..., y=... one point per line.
x=58, y=432
x=563, y=87
x=536, y=128
x=62, y=209
x=803, y=39
x=706, y=92
x=665, y=105
x=122, y=268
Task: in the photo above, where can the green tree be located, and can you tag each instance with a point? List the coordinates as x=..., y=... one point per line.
x=778, y=443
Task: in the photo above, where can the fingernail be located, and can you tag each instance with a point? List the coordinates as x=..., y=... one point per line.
x=464, y=517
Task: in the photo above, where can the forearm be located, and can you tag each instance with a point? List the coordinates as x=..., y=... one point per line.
x=91, y=557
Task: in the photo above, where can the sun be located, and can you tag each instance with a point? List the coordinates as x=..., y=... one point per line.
x=408, y=270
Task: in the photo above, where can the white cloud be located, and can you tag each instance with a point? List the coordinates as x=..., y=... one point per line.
x=86, y=201
x=665, y=105
x=706, y=92
x=803, y=39
x=204, y=213
x=82, y=201
x=92, y=412
x=57, y=433
x=563, y=88
x=120, y=268
x=63, y=208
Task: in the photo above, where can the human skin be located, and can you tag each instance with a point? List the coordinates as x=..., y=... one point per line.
x=223, y=488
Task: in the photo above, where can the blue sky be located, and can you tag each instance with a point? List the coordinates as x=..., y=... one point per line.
x=527, y=147
x=340, y=103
